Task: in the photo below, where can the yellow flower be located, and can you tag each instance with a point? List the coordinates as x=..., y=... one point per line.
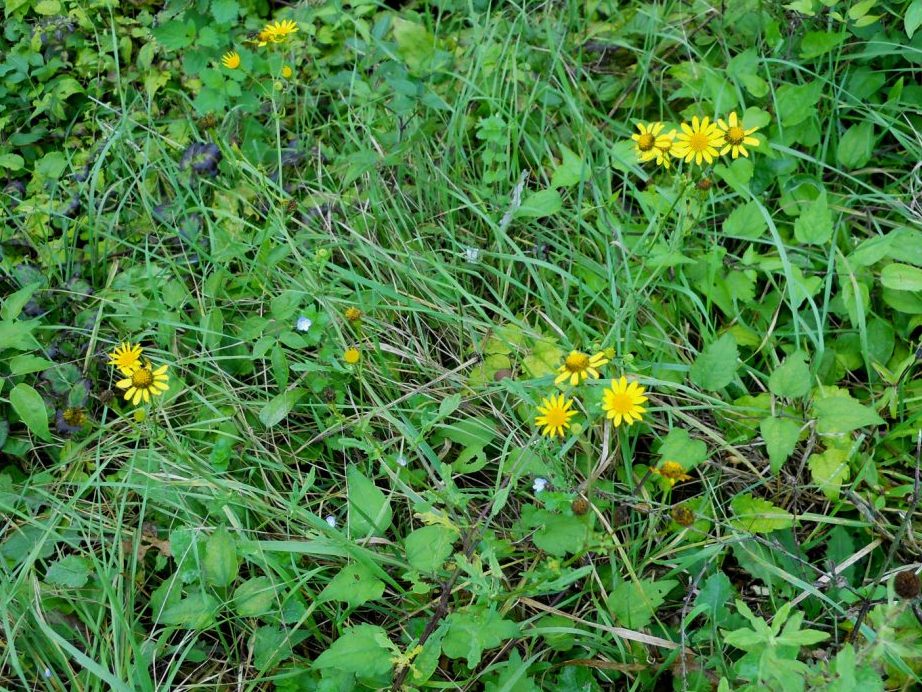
x=555, y=414
x=736, y=136
x=671, y=472
x=664, y=150
x=126, y=357
x=287, y=71
x=231, y=60
x=578, y=366
x=622, y=402
x=698, y=141
x=144, y=382
x=352, y=356
x=277, y=32
x=649, y=143
x=352, y=314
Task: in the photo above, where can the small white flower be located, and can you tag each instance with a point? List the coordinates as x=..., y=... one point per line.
x=539, y=484
x=303, y=324
x=471, y=254
x=331, y=520
x=47, y=672
x=401, y=460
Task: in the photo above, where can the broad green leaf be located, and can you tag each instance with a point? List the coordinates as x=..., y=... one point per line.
x=30, y=407
x=716, y=365
x=871, y=250
x=792, y=379
x=756, y=515
x=901, y=277
x=72, y=571
x=415, y=45
x=364, y=650
x=12, y=162
x=796, y=103
x=279, y=407
x=255, y=597
x=17, y=334
x=780, y=435
x=746, y=222
x=679, y=446
x=428, y=547
x=912, y=19
x=829, y=470
x=539, y=204
x=369, y=509
x=633, y=603
x=221, y=562
x=273, y=645
x=816, y=43
x=473, y=630
x=544, y=359
x=814, y=225
x=175, y=34
x=856, y=146
x=842, y=414
x=476, y=431
x=26, y=363
x=353, y=585
x=559, y=534
x=197, y=612
x=570, y=171
x=224, y=11
x=15, y=302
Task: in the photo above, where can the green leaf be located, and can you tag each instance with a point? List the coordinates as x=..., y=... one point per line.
x=255, y=597
x=26, y=363
x=716, y=365
x=221, y=562
x=633, y=603
x=12, y=162
x=842, y=414
x=476, y=431
x=570, y=171
x=780, y=435
x=679, y=446
x=272, y=645
x=911, y=20
x=796, y=103
x=29, y=406
x=756, y=515
x=559, y=534
x=901, y=277
x=816, y=43
x=473, y=630
x=829, y=471
x=15, y=302
x=415, y=45
x=364, y=650
x=51, y=165
x=224, y=11
x=197, y=612
x=353, y=585
x=746, y=222
x=792, y=379
x=428, y=547
x=369, y=509
x=72, y=571
x=175, y=35
x=279, y=407
x=814, y=225
x=856, y=146
x=18, y=335
x=540, y=204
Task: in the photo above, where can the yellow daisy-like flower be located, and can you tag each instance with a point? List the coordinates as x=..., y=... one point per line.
x=698, y=141
x=144, y=382
x=648, y=142
x=736, y=136
x=126, y=357
x=578, y=366
x=277, y=32
x=352, y=356
x=287, y=72
x=664, y=150
x=231, y=60
x=623, y=402
x=672, y=472
x=554, y=416
x=352, y=314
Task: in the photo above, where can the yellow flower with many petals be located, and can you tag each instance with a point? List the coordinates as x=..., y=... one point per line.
x=353, y=314
x=554, y=416
x=698, y=142
x=649, y=143
x=287, y=72
x=352, y=356
x=231, y=60
x=277, y=32
x=671, y=472
x=578, y=366
x=144, y=382
x=623, y=402
x=126, y=357
x=736, y=136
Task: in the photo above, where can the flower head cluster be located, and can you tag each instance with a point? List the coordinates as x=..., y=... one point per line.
x=700, y=141
x=142, y=380
x=671, y=472
x=276, y=32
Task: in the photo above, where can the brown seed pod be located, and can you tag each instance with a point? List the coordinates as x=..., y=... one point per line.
x=705, y=184
x=906, y=584
x=502, y=374
x=580, y=505
x=682, y=515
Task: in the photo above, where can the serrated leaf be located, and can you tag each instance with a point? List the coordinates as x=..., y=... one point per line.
x=756, y=515
x=255, y=597
x=829, y=470
x=72, y=571
x=428, y=547
x=363, y=650
x=792, y=379
x=716, y=365
x=354, y=585
x=746, y=222
x=570, y=171
x=633, y=603
x=780, y=435
x=30, y=407
x=369, y=509
x=814, y=225
x=473, y=630
x=224, y=11
x=221, y=562
x=540, y=204
x=842, y=414
x=679, y=446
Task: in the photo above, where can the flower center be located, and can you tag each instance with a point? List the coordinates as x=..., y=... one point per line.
x=141, y=378
x=735, y=136
x=646, y=142
x=666, y=146
x=576, y=362
x=556, y=417
x=621, y=403
x=72, y=416
x=672, y=469
x=699, y=141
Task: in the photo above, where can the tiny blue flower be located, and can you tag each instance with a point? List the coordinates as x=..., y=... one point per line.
x=539, y=485
x=331, y=520
x=303, y=324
